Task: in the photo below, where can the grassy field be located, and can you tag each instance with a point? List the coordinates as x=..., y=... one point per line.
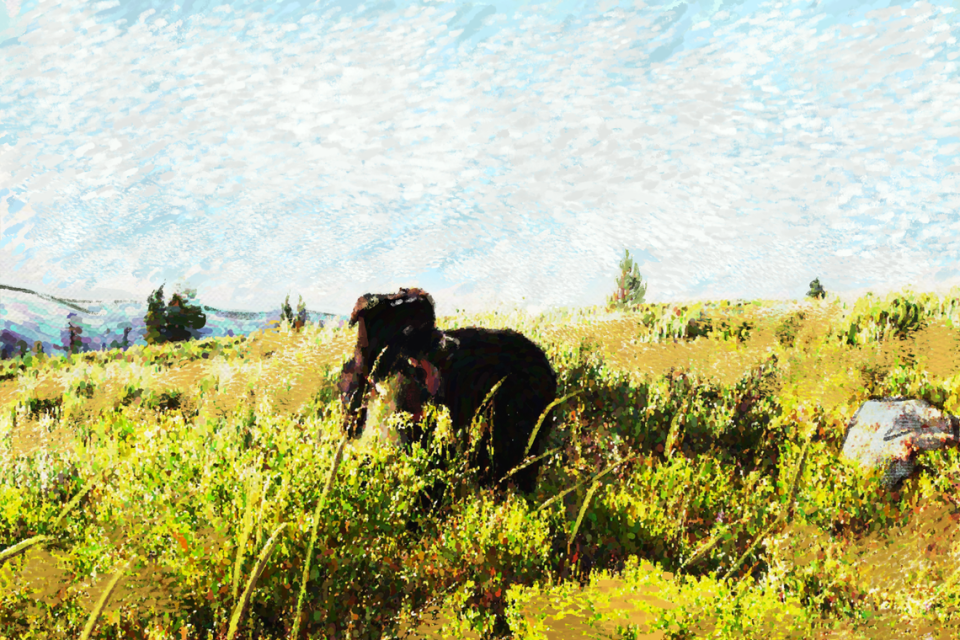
x=695, y=489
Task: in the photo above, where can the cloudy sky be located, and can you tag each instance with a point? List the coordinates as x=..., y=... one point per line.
x=490, y=152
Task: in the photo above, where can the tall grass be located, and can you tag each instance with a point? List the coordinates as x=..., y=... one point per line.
x=704, y=489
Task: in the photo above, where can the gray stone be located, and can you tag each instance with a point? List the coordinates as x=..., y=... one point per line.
x=888, y=434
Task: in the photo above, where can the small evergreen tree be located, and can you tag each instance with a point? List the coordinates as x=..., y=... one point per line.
x=301, y=318
x=72, y=343
x=155, y=318
x=124, y=343
x=286, y=311
x=630, y=287
x=816, y=290
x=183, y=321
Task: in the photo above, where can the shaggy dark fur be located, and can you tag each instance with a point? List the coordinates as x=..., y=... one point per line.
x=456, y=369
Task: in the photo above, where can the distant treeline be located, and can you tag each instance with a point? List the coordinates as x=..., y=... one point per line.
x=179, y=320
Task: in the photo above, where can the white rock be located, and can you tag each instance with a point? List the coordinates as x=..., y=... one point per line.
x=888, y=434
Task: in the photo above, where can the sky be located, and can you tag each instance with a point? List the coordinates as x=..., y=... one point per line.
x=493, y=153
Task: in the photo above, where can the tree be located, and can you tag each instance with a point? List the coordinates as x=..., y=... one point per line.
x=286, y=311
x=11, y=344
x=816, y=290
x=71, y=337
x=286, y=314
x=301, y=318
x=123, y=344
x=155, y=318
x=184, y=320
x=178, y=321
x=630, y=287
x=74, y=344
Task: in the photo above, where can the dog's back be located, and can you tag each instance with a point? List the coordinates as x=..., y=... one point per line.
x=470, y=364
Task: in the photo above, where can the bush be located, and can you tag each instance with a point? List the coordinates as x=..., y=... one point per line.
x=787, y=329
x=874, y=321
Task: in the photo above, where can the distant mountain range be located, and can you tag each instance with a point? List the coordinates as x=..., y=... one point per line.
x=30, y=316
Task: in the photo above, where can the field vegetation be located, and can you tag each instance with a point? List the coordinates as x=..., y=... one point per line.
x=694, y=488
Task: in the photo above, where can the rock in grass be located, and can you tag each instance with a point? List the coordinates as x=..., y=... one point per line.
x=888, y=434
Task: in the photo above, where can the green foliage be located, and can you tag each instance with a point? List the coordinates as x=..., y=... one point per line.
x=733, y=330
x=184, y=320
x=645, y=601
x=787, y=328
x=124, y=343
x=178, y=321
x=665, y=321
x=301, y=318
x=630, y=286
x=286, y=311
x=701, y=472
x=73, y=342
x=298, y=321
x=872, y=320
x=155, y=318
x=489, y=547
x=816, y=290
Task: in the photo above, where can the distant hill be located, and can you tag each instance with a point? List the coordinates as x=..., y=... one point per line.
x=29, y=316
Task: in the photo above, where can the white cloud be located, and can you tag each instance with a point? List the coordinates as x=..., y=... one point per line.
x=345, y=132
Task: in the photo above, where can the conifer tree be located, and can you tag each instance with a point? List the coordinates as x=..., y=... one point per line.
x=74, y=345
x=72, y=342
x=155, y=318
x=630, y=287
x=816, y=290
x=183, y=321
x=175, y=322
x=301, y=318
x=286, y=311
x=123, y=343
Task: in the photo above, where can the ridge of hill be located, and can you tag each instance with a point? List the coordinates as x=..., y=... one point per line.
x=30, y=316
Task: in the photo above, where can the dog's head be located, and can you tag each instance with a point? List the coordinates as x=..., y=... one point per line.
x=403, y=322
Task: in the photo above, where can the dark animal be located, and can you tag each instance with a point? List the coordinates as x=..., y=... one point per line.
x=397, y=334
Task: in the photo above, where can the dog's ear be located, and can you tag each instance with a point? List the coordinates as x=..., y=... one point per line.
x=364, y=302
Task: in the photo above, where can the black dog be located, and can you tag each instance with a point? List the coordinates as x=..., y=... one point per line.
x=397, y=334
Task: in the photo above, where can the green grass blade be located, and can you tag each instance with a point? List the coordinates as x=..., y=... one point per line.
x=252, y=582
x=295, y=633
x=543, y=416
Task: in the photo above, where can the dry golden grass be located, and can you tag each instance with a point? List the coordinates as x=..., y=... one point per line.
x=284, y=368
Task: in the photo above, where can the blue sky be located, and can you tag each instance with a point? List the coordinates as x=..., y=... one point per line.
x=501, y=152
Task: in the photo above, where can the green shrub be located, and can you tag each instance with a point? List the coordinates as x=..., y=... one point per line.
x=787, y=328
